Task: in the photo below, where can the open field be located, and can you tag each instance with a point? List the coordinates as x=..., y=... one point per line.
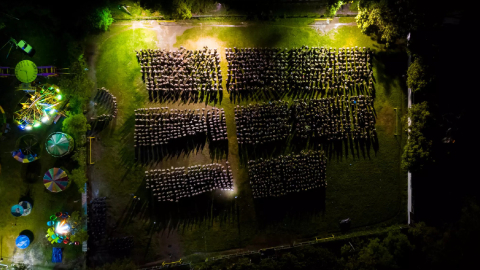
x=366, y=185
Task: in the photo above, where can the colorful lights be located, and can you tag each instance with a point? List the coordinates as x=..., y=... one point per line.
x=39, y=107
x=62, y=228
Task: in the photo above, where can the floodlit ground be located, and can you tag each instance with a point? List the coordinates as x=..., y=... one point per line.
x=363, y=184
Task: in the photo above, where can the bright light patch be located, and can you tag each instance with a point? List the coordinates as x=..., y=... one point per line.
x=28, y=127
x=37, y=124
x=45, y=119
x=62, y=228
x=59, y=97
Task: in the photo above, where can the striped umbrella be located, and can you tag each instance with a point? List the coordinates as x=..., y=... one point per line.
x=55, y=180
x=59, y=144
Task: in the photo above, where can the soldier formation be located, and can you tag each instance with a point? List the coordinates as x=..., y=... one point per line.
x=109, y=102
x=184, y=74
x=307, y=70
x=287, y=174
x=333, y=118
x=262, y=123
x=159, y=126
x=97, y=219
x=176, y=183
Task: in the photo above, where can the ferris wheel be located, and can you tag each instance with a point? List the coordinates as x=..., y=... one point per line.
x=38, y=107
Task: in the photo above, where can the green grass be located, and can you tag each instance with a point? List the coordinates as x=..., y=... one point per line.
x=346, y=20
x=366, y=186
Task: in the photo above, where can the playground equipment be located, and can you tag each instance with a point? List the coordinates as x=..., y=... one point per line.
x=26, y=71
x=22, y=44
x=39, y=107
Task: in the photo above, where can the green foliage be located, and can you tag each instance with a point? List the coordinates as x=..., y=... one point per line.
x=417, y=150
x=122, y=264
x=419, y=75
x=79, y=236
x=390, y=253
x=2, y=25
x=379, y=20
x=77, y=88
x=332, y=7
x=181, y=10
x=101, y=18
x=75, y=125
x=20, y=266
x=78, y=176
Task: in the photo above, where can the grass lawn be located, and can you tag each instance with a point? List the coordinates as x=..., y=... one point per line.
x=366, y=185
x=346, y=19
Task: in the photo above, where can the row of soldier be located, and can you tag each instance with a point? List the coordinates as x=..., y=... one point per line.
x=334, y=118
x=300, y=70
x=287, y=174
x=177, y=183
x=106, y=101
x=182, y=73
x=159, y=126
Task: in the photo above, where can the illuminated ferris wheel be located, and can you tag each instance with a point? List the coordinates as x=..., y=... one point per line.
x=38, y=107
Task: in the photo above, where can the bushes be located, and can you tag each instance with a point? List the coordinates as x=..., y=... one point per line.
x=75, y=125
x=332, y=7
x=419, y=75
x=101, y=18
x=181, y=10
x=417, y=150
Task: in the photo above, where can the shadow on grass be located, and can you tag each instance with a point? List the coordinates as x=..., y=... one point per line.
x=295, y=207
x=167, y=216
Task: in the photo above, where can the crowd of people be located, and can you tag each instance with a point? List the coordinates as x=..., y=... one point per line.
x=287, y=174
x=184, y=74
x=97, y=219
x=334, y=118
x=327, y=70
x=262, y=123
x=108, y=101
x=171, y=185
x=159, y=126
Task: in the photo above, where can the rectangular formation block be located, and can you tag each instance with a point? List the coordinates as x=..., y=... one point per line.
x=159, y=126
x=181, y=74
x=287, y=174
x=299, y=70
x=177, y=183
x=331, y=119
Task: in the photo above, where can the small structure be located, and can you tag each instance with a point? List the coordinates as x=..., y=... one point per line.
x=55, y=180
x=59, y=144
x=22, y=241
x=27, y=207
x=17, y=210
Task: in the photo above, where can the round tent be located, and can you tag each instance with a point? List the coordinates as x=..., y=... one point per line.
x=27, y=207
x=22, y=241
x=55, y=180
x=17, y=210
x=59, y=144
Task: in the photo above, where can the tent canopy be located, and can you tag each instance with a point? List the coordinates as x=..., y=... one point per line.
x=22, y=241
x=55, y=180
x=59, y=144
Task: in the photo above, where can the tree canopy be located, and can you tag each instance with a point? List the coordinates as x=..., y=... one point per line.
x=417, y=150
x=101, y=18
x=419, y=76
x=75, y=125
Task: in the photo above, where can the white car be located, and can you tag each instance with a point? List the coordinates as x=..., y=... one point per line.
x=24, y=46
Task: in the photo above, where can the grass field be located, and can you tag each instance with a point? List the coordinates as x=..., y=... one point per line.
x=366, y=185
